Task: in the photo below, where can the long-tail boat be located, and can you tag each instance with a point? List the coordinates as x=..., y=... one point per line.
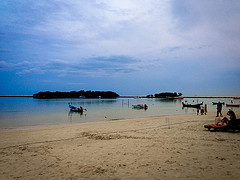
x=192, y=105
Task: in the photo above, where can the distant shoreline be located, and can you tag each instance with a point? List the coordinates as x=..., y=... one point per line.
x=141, y=96
x=18, y=96
x=211, y=97
x=183, y=97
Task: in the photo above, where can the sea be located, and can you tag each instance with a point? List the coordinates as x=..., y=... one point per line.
x=28, y=112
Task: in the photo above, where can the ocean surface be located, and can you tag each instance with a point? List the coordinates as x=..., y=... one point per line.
x=27, y=111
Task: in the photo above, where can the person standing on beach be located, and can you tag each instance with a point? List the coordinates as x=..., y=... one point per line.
x=219, y=109
x=205, y=109
x=202, y=109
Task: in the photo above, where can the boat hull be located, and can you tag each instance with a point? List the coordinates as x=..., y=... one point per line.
x=191, y=105
x=140, y=106
x=233, y=105
x=75, y=109
x=177, y=98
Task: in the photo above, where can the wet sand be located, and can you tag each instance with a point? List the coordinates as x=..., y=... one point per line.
x=168, y=147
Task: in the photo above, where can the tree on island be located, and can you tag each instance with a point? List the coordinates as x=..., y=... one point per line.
x=165, y=95
x=76, y=94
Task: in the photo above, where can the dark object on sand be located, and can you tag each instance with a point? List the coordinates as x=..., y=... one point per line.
x=225, y=124
x=226, y=127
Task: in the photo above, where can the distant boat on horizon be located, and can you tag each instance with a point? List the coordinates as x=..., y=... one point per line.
x=233, y=105
x=177, y=97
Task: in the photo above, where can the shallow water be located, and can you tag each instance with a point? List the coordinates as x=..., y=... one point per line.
x=27, y=111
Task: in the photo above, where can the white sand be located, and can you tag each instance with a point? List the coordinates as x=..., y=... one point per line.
x=170, y=147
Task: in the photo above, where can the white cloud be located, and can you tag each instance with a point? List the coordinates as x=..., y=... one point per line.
x=110, y=27
x=151, y=31
x=211, y=24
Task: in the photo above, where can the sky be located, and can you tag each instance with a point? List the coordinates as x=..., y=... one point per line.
x=132, y=47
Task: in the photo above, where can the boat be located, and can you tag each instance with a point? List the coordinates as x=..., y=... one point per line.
x=236, y=98
x=215, y=103
x=140, y=106
x=233, y=105
x=192, y=105
x=177, y=97
x=75, y=109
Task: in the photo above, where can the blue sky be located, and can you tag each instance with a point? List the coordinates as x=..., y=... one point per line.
x=132, y=47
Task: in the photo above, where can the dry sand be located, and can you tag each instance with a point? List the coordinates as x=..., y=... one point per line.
x=169, y=147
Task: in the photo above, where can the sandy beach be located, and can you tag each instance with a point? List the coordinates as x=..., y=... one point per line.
x=167, y=147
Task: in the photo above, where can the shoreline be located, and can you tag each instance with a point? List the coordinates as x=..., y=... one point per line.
x=170, y=147
x=20, y=128
x=43, y=126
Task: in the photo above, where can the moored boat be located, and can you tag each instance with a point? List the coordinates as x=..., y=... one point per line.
x=177, y=97
x=192, y=105
x=233, y=105
x=140, y=106
x=75, y=109
x=236, y=98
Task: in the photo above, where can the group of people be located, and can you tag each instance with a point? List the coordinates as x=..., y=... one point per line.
x=225, y=121
x=219, y=121
x=203, y=109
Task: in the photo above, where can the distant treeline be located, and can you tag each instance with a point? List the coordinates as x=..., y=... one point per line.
x=76, y=94
x=164, y=95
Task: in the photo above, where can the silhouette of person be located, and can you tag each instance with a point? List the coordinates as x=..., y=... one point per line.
x=205, y=109
x=219, y=109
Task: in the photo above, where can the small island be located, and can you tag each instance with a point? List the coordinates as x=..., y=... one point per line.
x=165, y=95
x=76, y=94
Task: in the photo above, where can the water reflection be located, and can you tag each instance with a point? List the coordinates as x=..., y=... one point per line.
x=93, y=101
x=72, y=114
x=168, y=100
x=29, y=111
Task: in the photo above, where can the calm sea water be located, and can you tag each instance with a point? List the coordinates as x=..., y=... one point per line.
x=27, y=111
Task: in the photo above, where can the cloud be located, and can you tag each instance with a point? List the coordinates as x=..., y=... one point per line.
x=104, y=28
x=3, y=65
x=4, y=51
x=139, y=29
x=93, y=67
x=6, y=66
x=75, y=84
x=208, y=23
